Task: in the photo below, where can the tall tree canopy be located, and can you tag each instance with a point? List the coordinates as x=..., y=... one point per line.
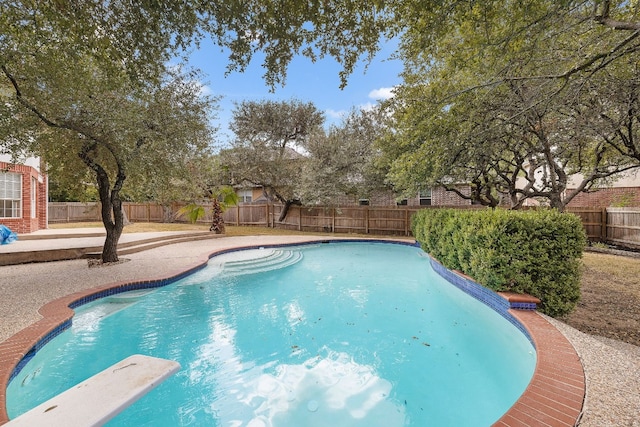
x=144, y=35
x=267, y=151
x=506, y=96
x=283, y=148
x=342, y=160
x=116, y=129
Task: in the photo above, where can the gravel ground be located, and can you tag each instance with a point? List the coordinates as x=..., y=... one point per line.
x=612, y=370
x=612, y=367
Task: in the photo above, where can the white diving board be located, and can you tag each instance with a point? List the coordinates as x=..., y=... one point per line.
x=98, y=399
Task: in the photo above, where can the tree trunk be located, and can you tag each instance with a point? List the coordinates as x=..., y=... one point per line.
x=113, y=220
x=167, y=213
x=556, y=202
x=285, y=209
x=110, y=248
x=217, y=222
x=111, y=211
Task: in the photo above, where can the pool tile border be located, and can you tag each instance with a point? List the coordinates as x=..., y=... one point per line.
x=485, y=295
x=554, y=396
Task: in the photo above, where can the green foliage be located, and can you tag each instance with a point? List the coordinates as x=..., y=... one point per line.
x=624, y=200
x=515, y=97
x=193, y=212
x=146, y=35
x=222, y=198
x=266, y=151
x=226, y=196
x=80, y=189
x=342, y=160
x=532, y=252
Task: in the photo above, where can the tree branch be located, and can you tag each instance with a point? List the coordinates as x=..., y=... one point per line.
x=26, y=103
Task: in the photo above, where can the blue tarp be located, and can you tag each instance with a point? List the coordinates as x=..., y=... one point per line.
x=6, y=235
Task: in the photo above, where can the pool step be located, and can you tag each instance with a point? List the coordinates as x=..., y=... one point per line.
x=259, y=260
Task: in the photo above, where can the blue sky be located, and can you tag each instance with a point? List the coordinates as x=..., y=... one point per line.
x=317, y=82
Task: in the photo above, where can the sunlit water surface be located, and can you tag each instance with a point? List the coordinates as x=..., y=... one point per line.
x=341, y=334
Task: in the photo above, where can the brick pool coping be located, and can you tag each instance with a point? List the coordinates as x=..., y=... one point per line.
x=554, y=396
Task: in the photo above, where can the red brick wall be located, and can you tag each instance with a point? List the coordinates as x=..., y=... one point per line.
x=26, y=224
x=606, y=197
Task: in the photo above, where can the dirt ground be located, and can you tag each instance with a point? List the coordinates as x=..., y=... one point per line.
x=610, y=301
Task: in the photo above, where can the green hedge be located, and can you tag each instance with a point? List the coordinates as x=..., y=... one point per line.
x=533, y=252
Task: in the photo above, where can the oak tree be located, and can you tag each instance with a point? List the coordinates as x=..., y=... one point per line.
x=268, y=147
x=343, y=159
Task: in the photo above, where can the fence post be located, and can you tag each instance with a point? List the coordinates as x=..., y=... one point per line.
x=333, y=219
x=406, y=221
x=237, y=214
x=603, y=224
x=299, y=218
x=366, y=220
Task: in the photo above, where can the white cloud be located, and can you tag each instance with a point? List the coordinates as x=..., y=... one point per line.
x=335, y=114
x=204, y=89
x=369, y=106
x=382, y=93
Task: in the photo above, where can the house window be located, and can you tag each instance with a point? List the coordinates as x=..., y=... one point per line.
x=425, y=197
x=363, y=202
x=402, y=202
x=10, y=195
x=34, y=187
x=245, y=196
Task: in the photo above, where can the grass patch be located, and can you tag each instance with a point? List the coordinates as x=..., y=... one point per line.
x=610, y=302
x=621, y=272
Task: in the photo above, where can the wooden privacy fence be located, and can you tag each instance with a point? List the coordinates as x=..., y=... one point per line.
x=619, y=226
x=353, y=219
x=61, y=212
x=361, y=219
x=623, y=226
x=613, y=225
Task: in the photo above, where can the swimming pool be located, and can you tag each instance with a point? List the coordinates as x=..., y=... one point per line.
x=348, y=333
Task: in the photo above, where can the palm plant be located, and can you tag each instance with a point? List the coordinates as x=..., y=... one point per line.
x=221, y=198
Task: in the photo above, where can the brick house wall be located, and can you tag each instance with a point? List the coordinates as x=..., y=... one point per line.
x=606, y=197
x=379, y=199
x=28, y=223
x=442, y=197
x=439, y=197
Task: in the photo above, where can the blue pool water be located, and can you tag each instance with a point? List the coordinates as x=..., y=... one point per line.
x=341, y=334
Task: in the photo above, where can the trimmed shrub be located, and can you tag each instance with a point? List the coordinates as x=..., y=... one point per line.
x=534, y=252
